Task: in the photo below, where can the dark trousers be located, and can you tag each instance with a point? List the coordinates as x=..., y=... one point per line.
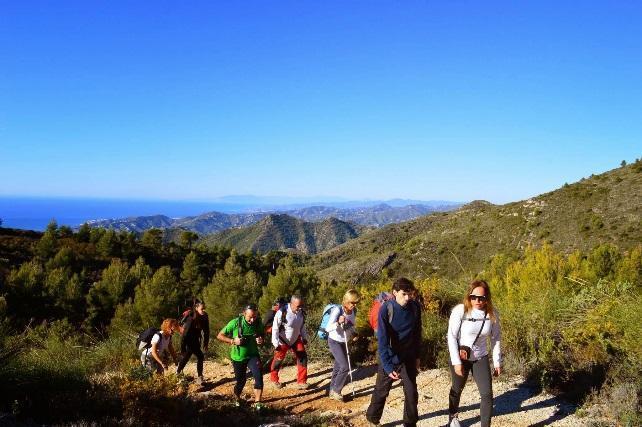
x=482, y=376
x=240, y=374
x=191, y=347
x=340, y=370
x=408, y=374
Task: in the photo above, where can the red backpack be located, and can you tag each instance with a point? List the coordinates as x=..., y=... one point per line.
x=373, y=315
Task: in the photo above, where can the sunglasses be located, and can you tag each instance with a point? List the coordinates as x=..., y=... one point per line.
x=481, y=298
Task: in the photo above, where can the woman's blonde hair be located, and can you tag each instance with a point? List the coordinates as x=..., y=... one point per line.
x=167, y=325
x=489, y=301
x=351, y=296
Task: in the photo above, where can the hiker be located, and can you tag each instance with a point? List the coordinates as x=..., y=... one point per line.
x=399, y=339
x=244, y=333
x=160, y=343
x=288, y=332
x=469, y=327
x=279, y=304
x=196, y=327
x=341, y=328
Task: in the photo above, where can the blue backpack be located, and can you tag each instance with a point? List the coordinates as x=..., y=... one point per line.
x=322, y=333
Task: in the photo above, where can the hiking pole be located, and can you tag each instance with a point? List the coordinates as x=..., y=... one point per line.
x=345, y=335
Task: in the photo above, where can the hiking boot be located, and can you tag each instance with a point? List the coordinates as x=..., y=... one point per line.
x=276, y=384
x=335, y=396
x=302, y=386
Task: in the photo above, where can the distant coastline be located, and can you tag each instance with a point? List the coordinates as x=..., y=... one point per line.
x=34, y=213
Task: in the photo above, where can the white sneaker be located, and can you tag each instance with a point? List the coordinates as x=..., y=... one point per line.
x=454, y=422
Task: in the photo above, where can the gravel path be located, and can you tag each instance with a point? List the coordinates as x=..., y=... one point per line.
x=516, y=404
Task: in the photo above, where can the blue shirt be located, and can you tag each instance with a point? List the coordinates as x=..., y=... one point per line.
x=399, y=341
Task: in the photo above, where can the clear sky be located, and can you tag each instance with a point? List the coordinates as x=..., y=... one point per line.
x=454, y=100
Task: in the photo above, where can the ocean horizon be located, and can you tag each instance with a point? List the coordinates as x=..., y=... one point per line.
x=35, y=213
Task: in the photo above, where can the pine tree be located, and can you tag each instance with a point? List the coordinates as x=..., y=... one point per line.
x=192, y=279
x=115, y=286
x=157, y=298
x=288, y=280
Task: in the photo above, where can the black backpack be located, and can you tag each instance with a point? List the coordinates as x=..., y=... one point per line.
x=146, y=337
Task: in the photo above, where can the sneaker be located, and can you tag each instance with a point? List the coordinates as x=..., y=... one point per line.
x=302, y=386
x=200, y=380
x=373, y=424
x=276, y=384
x=258, y=406
x=453, y=421
x=335, y=396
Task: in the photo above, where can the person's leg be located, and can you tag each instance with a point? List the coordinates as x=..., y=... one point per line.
x=484, y=381
x=186, y=354
x=279, y=354
x=338, y=350
x=411, y=397
x=255, y=366
x=240, y=376
x=200, y=358
x=379, y=395
x=301, y=362
x=457, y=386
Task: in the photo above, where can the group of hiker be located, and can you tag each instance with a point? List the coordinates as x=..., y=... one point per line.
x=396, y=318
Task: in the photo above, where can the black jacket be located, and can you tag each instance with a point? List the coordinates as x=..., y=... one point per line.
x=195, y=326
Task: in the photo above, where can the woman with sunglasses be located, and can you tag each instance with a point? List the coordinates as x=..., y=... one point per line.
x=470, y=326
x=244, y=334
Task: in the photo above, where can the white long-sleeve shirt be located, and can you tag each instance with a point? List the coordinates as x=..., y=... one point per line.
x=469, y=330
x=293, y=328
x=336, y=331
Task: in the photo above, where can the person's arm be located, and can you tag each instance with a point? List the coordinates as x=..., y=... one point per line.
x=276, y=323
x=417, y=333
x=303, y=333
x=226, y=334
x=495, y=343
x=154, y=351
x=383, y=339
x=454, y=326
x=206, y=331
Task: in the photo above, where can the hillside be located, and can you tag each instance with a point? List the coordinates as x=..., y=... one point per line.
x=605, y=208
x=283, y=232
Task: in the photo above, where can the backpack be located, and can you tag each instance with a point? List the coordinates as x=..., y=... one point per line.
x=183, y=320
x=373, y=315
x=322, y=333
x=145, y=337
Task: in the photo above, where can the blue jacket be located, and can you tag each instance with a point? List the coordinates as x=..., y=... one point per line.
x=400, y=340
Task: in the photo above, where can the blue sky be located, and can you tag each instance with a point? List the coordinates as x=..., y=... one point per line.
x=454, y=100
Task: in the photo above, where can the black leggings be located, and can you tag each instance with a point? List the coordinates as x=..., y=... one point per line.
x=189, y=348
x=240, y=374
x=482, y=376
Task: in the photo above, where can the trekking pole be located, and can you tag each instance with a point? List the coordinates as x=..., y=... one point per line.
x=345, y=335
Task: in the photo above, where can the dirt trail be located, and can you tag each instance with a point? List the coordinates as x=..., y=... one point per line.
x=515, y=403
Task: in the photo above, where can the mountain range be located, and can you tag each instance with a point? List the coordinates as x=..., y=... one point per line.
x=212, y=222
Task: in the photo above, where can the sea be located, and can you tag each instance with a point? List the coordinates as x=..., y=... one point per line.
x=34, y=213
